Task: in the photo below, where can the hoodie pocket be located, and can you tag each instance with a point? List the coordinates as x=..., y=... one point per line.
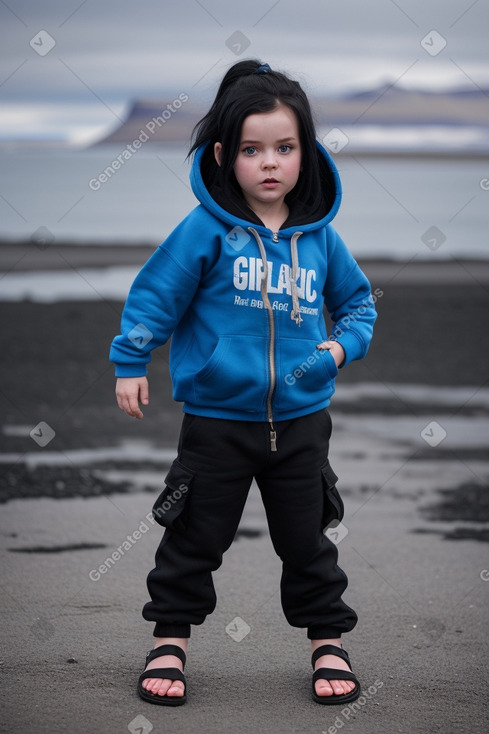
x=235, y=375
x=333, y=508
x=168, y=510
x=306, y=374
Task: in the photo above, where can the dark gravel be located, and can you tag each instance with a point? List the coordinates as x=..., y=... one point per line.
x=55, y=369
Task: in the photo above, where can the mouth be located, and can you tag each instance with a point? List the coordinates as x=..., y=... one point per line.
x=270, y=180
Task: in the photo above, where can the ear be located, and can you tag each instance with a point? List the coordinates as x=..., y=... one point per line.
x=217, y=153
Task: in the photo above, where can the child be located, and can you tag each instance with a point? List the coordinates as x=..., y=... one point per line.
x=240, y=286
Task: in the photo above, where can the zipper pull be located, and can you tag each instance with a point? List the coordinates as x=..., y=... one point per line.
x=275, y=237
x=273, y=438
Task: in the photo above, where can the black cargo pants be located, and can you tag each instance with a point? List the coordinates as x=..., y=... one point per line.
x=201, y=506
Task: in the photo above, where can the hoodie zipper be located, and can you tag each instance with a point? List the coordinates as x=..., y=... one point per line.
x=271, y=341
x=271, y=359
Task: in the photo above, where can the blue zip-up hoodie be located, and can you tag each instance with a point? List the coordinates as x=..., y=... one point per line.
x=244, y=307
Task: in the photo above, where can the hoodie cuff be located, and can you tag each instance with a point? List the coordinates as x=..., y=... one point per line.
x=130, y=370
x=352, y=347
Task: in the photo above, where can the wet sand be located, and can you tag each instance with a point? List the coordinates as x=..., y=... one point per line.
x=432, y=329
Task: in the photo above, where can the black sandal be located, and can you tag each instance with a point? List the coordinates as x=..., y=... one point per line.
x=332, y=674
x=169, y=673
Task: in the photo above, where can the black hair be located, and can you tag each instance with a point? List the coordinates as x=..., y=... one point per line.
x=249, y=87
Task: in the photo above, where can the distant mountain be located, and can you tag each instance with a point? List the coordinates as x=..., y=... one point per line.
x=395, y=91
x=392, y=105
x=172, y=120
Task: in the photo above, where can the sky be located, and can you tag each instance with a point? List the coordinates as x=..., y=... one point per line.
x=70, y=69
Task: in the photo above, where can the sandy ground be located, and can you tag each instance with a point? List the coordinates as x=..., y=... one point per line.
x=410, y=446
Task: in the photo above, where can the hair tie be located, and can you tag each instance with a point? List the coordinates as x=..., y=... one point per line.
x=263, y=69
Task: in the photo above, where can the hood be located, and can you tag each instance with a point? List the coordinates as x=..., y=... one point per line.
x=303, y=219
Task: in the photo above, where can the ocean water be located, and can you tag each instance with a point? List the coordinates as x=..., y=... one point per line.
x=393, y=207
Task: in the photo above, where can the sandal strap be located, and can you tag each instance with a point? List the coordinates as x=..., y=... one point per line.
x=166, y=650
x=163, y=673
x=330, y=650
x=333, y=674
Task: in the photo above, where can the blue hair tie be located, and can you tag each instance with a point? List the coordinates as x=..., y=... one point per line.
x=263, y=69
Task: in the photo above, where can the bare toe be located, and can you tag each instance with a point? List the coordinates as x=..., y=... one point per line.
x=157, y=686
x=338, y=687
x=176, y=689
x=323, y=688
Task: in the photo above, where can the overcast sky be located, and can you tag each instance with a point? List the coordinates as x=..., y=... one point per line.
x=70, y=68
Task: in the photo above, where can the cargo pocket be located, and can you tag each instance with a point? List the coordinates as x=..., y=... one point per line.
x=333, y=504
x=168, y=510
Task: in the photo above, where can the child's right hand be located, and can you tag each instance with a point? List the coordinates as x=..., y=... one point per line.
x=131, y=391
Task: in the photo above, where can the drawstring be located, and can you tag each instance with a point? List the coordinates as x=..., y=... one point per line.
x=263, y=253
x=295, y=314
x=294, y=277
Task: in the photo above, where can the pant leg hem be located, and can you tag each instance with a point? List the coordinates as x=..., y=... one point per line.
x=171, y=630
x=323, y=633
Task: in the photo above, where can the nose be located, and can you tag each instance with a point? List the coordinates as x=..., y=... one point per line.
x=269, y=159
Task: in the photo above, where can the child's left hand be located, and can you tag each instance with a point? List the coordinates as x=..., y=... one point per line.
x=336, y=350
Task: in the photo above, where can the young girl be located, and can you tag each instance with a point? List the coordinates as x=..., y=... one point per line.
x=240, y=286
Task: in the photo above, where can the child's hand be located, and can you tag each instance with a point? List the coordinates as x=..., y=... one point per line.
x=336, y=350
x=131, y=391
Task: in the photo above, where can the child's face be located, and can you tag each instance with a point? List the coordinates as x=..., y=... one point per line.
x=269, y=158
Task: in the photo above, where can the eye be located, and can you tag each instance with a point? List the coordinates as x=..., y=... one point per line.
x=284, y=148
x=249, y=150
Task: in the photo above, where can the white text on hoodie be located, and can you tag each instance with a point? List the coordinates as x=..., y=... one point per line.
x=248, y=272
